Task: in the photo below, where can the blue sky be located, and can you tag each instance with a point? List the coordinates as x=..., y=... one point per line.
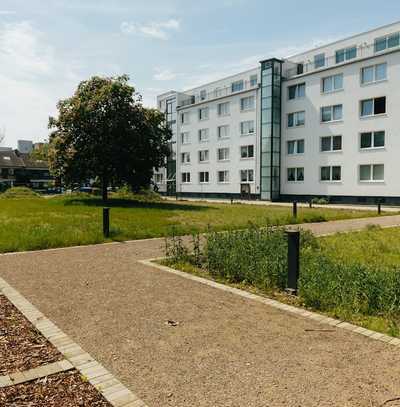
x=48, y=46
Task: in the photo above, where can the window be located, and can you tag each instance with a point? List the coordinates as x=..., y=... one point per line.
x=159, y=178
x=372, y=107
x=223, y=131
x=331, y=143
x=332, y=83
x=372, y=172
x=246, y=175
x=185, y=117
x=203, y=94
x=223, y=176
x=223, y=154
x=203, y=113
x=331, y=113
x=296, y=119
x=331, y=173
x=204, y=177
x=247, y=127
x=300, y=69
x=185, y=177
x=374, y=73
x=247, y=151
x=203, y=156
x=247, y=103
x=223, y=109
x=374, y=139
x=185, y=138
x=295, y=174
x=237, y=86
x=253, y=80
x=204, y=135
x=295, y=147
x=346, y=54
x=389, y=41
x=319, y=61
x=185, y=158
x=297, y=91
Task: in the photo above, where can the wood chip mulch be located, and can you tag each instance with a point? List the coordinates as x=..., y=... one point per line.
x=67, y=389
x=22, y=346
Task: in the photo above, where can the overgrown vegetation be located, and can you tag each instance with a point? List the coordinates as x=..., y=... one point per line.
x=346, y=287
x=19, y=193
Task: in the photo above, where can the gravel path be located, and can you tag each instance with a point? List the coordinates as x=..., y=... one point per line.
x=225, y=351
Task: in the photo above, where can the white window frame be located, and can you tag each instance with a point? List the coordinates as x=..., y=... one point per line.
x=296, y=147
x=330, y=173
x=203, y=173
x=296, y=170
x=184, y=177
x=250, y=127
x=345, y=50
x=159, y=178
x=206, y=157
x=247, y=147
x=374, y=68
x=248, y=109
x=373, y=107
x=331, y=107
x=206, y=110
x=371, y=180
x=253, y=80
x=386, y=39
x=185, y=138
x=228, y=109
x=296, y=86
x=320, y=56
x=332, y=78
x=226, y=154
x=239, y=82
x=226, y=177
x=249, y=179
x=185, y=157
x=372, y=140
x=207, y=133
x=331, y=150
x=227, y=132
x=296, y=119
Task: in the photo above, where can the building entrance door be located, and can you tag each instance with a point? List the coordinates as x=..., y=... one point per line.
x=245, y=191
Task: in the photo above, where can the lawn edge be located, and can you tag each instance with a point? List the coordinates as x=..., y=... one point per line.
x=100, y=378
x=297, y=311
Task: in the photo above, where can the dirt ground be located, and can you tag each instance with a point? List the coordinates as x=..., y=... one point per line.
x=225, y=351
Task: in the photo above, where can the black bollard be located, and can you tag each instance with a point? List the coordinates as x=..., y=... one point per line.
x=106, y=222
x=295, y=209
x=293, y=261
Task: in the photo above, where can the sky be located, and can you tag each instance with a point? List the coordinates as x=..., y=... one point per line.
x=48, y=46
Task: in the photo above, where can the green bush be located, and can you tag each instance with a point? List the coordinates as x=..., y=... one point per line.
x=19, y=193
x=145, y=195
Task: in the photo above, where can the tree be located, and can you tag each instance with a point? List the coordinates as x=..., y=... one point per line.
x=41, y=152
x=104, y=131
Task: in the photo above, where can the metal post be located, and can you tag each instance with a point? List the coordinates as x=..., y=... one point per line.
x=379, y=206
x=310, y=203
x=295, y=209
x=293, y=261
x=231, y=200
x=106, y=222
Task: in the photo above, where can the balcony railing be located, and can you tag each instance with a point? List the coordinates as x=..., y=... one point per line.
x=217, y=93
x=363, y=51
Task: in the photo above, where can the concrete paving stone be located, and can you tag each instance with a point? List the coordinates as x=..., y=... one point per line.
x=123, y=395
x=5, y=381
x=65, y=365
x=97, y=380
x=81, y=359
x=395, y=341
x=17, y=378
x=123, y=400
x=118, y=387
x=106, y=384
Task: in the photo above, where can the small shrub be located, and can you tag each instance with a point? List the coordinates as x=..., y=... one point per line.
x=19, y=193
x=320, y=201
x=145, y=195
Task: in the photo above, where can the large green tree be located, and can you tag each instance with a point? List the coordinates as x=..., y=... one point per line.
x=103, y=131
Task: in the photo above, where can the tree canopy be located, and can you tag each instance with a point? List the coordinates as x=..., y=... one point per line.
x=103, y=131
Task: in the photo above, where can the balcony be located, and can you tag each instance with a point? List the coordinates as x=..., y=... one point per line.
x=363, y=51
x=217, y=93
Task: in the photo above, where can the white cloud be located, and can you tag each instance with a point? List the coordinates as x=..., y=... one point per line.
x=7, y=13
x=157, y=30
x=164, y=75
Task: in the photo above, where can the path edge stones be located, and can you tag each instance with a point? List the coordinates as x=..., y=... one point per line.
x=300, y=312
x=75, y=357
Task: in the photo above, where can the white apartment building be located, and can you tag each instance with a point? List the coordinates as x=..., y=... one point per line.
x=319, y=124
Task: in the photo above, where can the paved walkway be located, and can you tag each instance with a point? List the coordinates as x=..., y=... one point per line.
x=225, y=351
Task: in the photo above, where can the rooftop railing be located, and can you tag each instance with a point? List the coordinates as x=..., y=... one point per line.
x=218, y=93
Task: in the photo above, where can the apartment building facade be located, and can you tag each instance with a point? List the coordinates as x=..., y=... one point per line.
x=323, y=123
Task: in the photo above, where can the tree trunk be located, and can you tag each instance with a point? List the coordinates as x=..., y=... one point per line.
x=104, y=186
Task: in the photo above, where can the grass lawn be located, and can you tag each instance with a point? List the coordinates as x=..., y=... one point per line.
x=349, y=276
x=39, y=223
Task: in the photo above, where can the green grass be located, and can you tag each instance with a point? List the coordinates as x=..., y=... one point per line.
x=353, y=276
x=29, y=224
